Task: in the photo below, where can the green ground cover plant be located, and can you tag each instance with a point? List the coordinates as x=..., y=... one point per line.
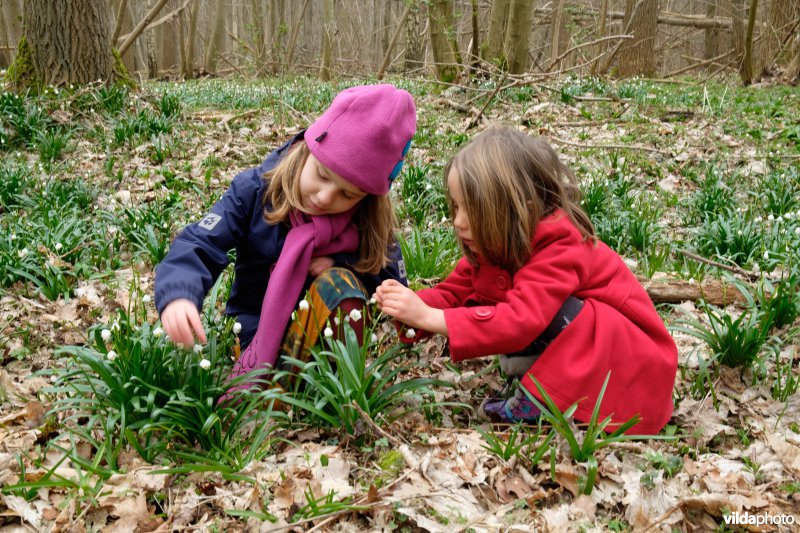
x=96, y=181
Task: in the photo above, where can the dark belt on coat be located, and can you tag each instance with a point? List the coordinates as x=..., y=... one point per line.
x=569, y=310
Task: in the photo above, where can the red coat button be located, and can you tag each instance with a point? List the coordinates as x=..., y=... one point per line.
x=483, y=313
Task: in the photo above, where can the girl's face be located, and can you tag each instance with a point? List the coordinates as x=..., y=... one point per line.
x=324, y=192
x=460, y=220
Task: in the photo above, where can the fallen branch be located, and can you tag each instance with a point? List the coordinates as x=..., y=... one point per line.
x=673, y=291
x=137, y=31
x=610, y=146
x=752, y=276
x=375, y=427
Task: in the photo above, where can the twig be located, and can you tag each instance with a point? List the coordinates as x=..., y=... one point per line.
x=375, y=427
x=584, y=45
x=610, y=146
x=730, y=268
x=698, y=65
x=472, y=123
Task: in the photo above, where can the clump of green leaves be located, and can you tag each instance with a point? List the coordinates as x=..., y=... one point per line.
x=342, y=374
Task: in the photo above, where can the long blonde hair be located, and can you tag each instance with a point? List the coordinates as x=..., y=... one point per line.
x=374, y=216
x=508, y=182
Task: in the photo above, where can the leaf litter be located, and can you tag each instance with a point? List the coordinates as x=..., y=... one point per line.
x=447, y=480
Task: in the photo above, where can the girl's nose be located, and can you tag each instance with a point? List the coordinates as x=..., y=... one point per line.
x=324, y=197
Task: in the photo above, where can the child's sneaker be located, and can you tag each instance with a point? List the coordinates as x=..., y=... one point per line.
x=517, y=408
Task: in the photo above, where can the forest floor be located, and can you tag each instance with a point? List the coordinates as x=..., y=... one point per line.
x=695, y=184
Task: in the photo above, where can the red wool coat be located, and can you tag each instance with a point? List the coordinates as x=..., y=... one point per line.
x=489, y=311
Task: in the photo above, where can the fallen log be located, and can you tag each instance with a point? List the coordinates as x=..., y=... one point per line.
x=673, y=291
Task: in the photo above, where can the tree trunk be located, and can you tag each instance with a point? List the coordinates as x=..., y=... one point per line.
x=601, y=32
x=711, y=41
x=191, y=41
x=558, y=25
x=386, y=26
x=637, y=57
x=69, y=41
x=12, y=28
x=440, y=19
x=793, y=70
x=216, y=41
x=414, y=48
x=475, y=45
x=498, y=21
x=738, y=30
x=518, y=35
x=168, y=44
x=746, y=70
x=259, y=36
x=277, y=33
x=328, y=25
x=123, y=6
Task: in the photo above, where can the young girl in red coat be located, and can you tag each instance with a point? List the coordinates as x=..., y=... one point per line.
x=537, y=286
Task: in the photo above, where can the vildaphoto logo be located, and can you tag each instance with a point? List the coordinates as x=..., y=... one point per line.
x=747, y=519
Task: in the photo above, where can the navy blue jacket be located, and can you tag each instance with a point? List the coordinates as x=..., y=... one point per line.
x=200, y=252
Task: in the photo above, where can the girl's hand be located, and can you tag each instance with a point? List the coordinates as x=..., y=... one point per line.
x=320, y=264
x=181, y=322
x=400, y=302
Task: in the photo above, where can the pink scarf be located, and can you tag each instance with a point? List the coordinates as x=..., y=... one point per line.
x=309, y=237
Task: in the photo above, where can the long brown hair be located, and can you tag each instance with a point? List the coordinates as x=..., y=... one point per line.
x=374, y=216
x=508, y=182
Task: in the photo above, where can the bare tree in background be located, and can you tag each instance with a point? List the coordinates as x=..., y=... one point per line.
x=414, y=44
x=191, y=41
x=12, y=27
x=278, y=30
x=216, y=41
x=637, y=57
x=328, y=25
x=518, y=35
x=746, y=68
x=443, y=44
x=68, y=42
x=711, y=37
x=492, y=50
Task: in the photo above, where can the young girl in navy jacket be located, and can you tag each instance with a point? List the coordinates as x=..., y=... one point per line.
x=537, y=286
x=317, y=206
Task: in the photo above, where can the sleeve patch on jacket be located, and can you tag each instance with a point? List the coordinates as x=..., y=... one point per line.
x=209, y=221
x=401, y=267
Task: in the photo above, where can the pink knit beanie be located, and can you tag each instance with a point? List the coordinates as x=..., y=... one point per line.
x=364, y=135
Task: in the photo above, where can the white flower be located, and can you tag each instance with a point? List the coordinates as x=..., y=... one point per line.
x=373, y=338
x=158, y=332
x=13, y=236
x=411, y=333
x=428, y=187
x=198, y=348
x=373, y=301
x=237, y=327
x=111, y=355
x=771, y=217
x=146, y=298
x=797, y=230
x=444, y=219
x=205, y=364
x=22, y=253
x=59, y=246
x=355, y=315
x=303, y=305
x=336, y=320
x=105, y=334
x=766, y=255
x=758, y=219
x=53, y=379
x=328, y=332
x=779, y=219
